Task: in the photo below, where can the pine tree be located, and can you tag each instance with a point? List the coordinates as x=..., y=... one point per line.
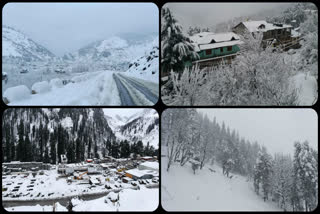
x=176, y=48
x=28, y=149
x=139, y=148
x=53, y=148
x=21, y=146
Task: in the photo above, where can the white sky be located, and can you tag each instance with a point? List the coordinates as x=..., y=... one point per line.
x=121, y=111
x=277, y=129
x=209, y=14
x=66, y=27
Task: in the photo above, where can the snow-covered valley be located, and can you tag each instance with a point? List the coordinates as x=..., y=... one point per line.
x=114, y=71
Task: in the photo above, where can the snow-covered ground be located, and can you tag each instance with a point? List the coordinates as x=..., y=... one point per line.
x=307, y=88
x=37, y=208
x=94, y=88
x=181, y=190
x=90, y=88
x=42, y=190
x=129, y=200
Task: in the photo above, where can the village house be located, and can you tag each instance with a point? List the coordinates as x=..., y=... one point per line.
x=274, y=34
x=136, y=174
x=149, y=166
x=214, y=48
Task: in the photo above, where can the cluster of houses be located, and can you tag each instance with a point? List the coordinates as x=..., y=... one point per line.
x=17, y=166
x=216, y=48
x=125, y=168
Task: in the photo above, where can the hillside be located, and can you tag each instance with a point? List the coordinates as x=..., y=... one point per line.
x=113, y=53
x=142, y=126
x=146, y=66
x=208, y=191
x=17, y=46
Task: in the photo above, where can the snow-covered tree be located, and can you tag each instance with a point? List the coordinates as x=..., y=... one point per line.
x=262, y=174
x=282, y=180
x=176, y=48
x=259, y=76
x=306, y=173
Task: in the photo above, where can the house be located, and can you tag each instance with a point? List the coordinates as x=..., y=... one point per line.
x=136, y=174
x=147, y=158
x=275, y=33
x=214, y=48
x=149, y=166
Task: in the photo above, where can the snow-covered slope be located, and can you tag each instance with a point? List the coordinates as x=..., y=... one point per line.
x=142, y=126
x=113, y=53
x=208, y=191
x=16, y=45
x=78, y=125
x=146, y=66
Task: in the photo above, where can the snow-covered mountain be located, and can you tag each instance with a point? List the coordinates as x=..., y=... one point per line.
x=142, y=126
x=147, y=65
x=114, y=53
x=17, y=46
x=82, y=132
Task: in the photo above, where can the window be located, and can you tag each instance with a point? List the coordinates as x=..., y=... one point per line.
x=221, y=50
x=229, y=48
x=209, y=52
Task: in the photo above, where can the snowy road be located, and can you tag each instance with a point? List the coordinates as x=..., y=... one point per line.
x=133, y=91
x=143, y=89
x=125, y=97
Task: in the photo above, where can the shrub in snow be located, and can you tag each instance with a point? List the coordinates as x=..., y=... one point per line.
x=16, y=93
x=40, y=87
x=56, y=83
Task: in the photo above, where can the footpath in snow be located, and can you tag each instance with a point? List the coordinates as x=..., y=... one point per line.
x=208, y=191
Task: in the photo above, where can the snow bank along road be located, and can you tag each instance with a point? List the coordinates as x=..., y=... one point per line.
x=94, y=88
x=208, y=191
x=133, y=91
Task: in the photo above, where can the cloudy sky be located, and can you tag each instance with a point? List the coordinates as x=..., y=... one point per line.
x=127, y=112
x=209, y=14
x=65, y=27
x=277, y=129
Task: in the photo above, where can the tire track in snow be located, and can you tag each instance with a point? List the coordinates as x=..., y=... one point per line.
x=126, y=99
x=145, y=91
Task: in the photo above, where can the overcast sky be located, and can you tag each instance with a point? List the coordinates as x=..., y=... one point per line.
x=121, y=111
x=66, y=27
x=277, y=129
x=209, y=14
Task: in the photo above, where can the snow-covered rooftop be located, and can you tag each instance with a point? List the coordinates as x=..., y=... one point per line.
x=209, y=37
x=139, y=173
x=263, y=26
x=209, y=40
x=220, y=44
x=154, y=165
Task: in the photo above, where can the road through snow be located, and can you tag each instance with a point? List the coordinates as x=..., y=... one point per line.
x=125, y=97
x=134, y=92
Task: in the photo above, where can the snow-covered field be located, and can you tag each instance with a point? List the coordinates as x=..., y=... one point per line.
x=181, y=190
x=48, y=186
x=129, y=200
